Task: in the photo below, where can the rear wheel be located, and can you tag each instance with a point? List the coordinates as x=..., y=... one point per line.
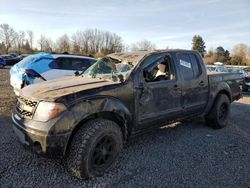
x=94, y=148
x=245, y=89
x=218, y=116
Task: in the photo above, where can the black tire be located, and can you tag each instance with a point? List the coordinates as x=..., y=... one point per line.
x=218, y=116
x=94, y=148
x=244, y=89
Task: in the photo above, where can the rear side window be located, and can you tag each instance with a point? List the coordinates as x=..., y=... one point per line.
x=80, y=64
x=195, y=65
x=70, y=64
x=60, y=63
x=186, y=66
x=189, y=65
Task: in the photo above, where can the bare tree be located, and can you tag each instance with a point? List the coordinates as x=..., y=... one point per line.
x=19, y=40
x=76, y=42
x=94, y=41
x=48, y=45
x=240, y=54
x=80, y=42
x=143, y=45
x=41, y=42
x=7, y=36
x=30, y=38
x=45, y=44
x=63, y=43
x=89, y=41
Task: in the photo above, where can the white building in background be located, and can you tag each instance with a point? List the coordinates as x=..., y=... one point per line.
x=218, y=63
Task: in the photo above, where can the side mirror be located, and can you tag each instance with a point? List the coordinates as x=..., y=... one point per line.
x=121, y=78
x=77, y=73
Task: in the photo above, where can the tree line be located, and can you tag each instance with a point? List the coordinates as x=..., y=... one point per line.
x=240, y=54
x=88, y=42
x=99, y=43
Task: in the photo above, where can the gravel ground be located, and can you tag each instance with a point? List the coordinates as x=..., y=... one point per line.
x=188, y=155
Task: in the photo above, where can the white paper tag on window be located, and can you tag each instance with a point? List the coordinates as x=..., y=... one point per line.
x=185, y=64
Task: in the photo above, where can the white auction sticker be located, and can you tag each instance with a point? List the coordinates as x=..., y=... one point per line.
x=185, y=64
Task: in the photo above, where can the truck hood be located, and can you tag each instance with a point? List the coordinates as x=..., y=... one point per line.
x=53, y=89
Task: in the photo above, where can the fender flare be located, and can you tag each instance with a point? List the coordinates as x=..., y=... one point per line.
x=221, y=88
x=100, y=107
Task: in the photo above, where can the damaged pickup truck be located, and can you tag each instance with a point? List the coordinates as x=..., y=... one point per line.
x=88, y=118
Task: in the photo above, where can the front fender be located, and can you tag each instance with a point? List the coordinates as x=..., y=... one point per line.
x=87, y=107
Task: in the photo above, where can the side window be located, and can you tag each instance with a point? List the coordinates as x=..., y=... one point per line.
x=54, y=64
x=195, y=65
x=186, y=66
x=66, y=64
x=189, y=65
x=70, y=64
x=92, y=61
x=162, y=70
x=80, y=64
x=61, y=63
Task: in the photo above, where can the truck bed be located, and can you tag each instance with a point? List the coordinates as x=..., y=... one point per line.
x=232, y=79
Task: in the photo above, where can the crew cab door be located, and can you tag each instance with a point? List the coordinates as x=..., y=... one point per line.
x=157, y=99
x=194, y=82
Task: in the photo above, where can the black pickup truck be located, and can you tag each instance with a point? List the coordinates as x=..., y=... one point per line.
x=88, y=118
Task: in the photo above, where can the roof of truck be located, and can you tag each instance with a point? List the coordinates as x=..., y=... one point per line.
x=136, y=56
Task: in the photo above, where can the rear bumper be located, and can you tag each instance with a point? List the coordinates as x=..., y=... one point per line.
x=39, y=142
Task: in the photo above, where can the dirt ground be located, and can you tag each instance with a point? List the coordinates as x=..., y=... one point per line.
x=188, y=155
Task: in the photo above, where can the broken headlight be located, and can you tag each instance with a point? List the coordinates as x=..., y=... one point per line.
x=48, y=110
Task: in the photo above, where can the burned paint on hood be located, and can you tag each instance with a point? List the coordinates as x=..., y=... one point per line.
x=54, y=89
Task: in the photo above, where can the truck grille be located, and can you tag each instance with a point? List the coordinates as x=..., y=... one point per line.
x=26, y=107
x=28, y=102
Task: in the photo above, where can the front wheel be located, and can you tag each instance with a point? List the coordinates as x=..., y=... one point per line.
x=94, y=148
x=219, y=114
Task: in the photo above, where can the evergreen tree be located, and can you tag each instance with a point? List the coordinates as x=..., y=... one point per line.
x=199, y=45
x=220, y=51
x=227, y=57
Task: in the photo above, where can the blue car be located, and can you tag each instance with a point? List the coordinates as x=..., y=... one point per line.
x=43, y=66
x=2, y=62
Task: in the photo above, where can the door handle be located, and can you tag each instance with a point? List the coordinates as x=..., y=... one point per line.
x=202, y=83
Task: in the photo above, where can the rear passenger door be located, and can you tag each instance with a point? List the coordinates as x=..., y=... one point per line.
x=194, y=82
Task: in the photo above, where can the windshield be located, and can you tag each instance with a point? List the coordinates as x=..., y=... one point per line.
x=235, y=70
x=211, y=69
x=110, y=68
x=222, y=69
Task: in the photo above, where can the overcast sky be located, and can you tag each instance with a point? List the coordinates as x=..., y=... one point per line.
x=169, y=23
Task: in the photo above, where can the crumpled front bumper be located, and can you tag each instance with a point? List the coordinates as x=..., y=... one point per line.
x=40, y=142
